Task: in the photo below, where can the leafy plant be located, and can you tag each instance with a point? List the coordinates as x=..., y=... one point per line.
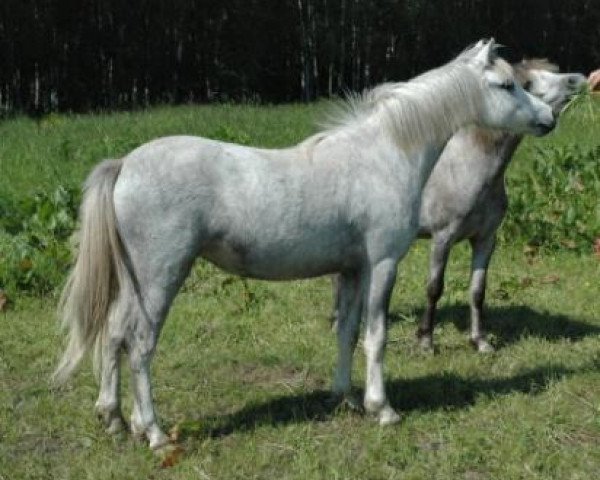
x=34, y=233
x=555, y=203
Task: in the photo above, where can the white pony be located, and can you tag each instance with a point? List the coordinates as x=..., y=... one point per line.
x=344, y=201
x=465, y=197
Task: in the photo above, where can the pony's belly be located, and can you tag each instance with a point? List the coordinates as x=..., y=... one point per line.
x=280, y=263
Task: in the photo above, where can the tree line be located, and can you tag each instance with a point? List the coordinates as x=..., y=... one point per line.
x=82, y=55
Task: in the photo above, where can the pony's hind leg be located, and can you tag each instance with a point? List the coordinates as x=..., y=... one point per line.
x=440, y=248
x=482, y=253
x=141, y=344
x=108, y=405
x=155, y=291
x=143, y=417
x=161, y=245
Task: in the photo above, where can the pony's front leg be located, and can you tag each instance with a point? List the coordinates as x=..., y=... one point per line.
x=377, y=297
x=336, y=286
x=348, y=310
x=482, y=253
x=440, y=248
x=108, y=405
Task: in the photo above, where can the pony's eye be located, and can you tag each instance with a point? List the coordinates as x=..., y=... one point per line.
x=508, y=85
x=527, y=85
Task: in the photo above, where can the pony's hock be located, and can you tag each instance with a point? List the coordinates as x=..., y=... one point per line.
x=343, y=201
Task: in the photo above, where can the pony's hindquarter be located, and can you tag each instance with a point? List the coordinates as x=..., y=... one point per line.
x=98, y=273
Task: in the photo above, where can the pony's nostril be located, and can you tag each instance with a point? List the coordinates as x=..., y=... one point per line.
x=546, y=127
x=576, y=81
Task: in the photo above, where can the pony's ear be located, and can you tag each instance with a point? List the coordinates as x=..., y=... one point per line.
x=487, y=52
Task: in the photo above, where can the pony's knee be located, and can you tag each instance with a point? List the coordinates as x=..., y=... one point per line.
x=435, y=289
x=375, y=337
x=478, y=294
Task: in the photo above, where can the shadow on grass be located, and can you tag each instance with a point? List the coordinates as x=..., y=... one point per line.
x=510, y=324
x=444, y=391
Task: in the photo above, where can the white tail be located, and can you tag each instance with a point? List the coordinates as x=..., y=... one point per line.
x=98, y=273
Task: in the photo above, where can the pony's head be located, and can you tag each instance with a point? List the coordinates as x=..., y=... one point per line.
x=541, y=78
x=504, y=104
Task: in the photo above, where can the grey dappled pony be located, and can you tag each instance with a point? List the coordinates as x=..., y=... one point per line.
x=345, y=200
x=465, y=197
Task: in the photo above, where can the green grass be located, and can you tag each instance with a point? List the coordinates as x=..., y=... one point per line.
x=63, y=148
x=242, y=370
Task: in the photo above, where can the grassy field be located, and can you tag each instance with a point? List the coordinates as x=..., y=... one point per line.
x=243, y=369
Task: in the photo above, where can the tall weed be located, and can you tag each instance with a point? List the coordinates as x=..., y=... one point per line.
x=34, y=233
x=554, y=203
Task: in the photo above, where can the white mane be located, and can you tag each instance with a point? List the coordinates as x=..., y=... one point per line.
x=427, y=108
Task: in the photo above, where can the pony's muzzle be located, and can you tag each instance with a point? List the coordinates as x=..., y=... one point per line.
x=577, y=82
x=544, y=128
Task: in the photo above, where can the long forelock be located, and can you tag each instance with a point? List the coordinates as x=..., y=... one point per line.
x=523, y=68
x=503, y=68
x=428, y=108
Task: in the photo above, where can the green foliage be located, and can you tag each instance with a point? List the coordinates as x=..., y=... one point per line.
x=34, y=233
x=554, y=202
x=37, y=210
x=553, y=183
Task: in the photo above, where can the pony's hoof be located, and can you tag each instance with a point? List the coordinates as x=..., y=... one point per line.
x=160, y=444
x=157, y=439
x=111, y=419
x=352, y=402
x=334, y=323
x=384, y=414
x=388, y=416
x=482, y=345
x=348, y=400
x=116, y=426
x=426, y=344
x=137, y=431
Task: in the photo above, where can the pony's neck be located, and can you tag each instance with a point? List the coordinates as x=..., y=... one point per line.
x=496, y=147
x=427, y=110
x=426, y=160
